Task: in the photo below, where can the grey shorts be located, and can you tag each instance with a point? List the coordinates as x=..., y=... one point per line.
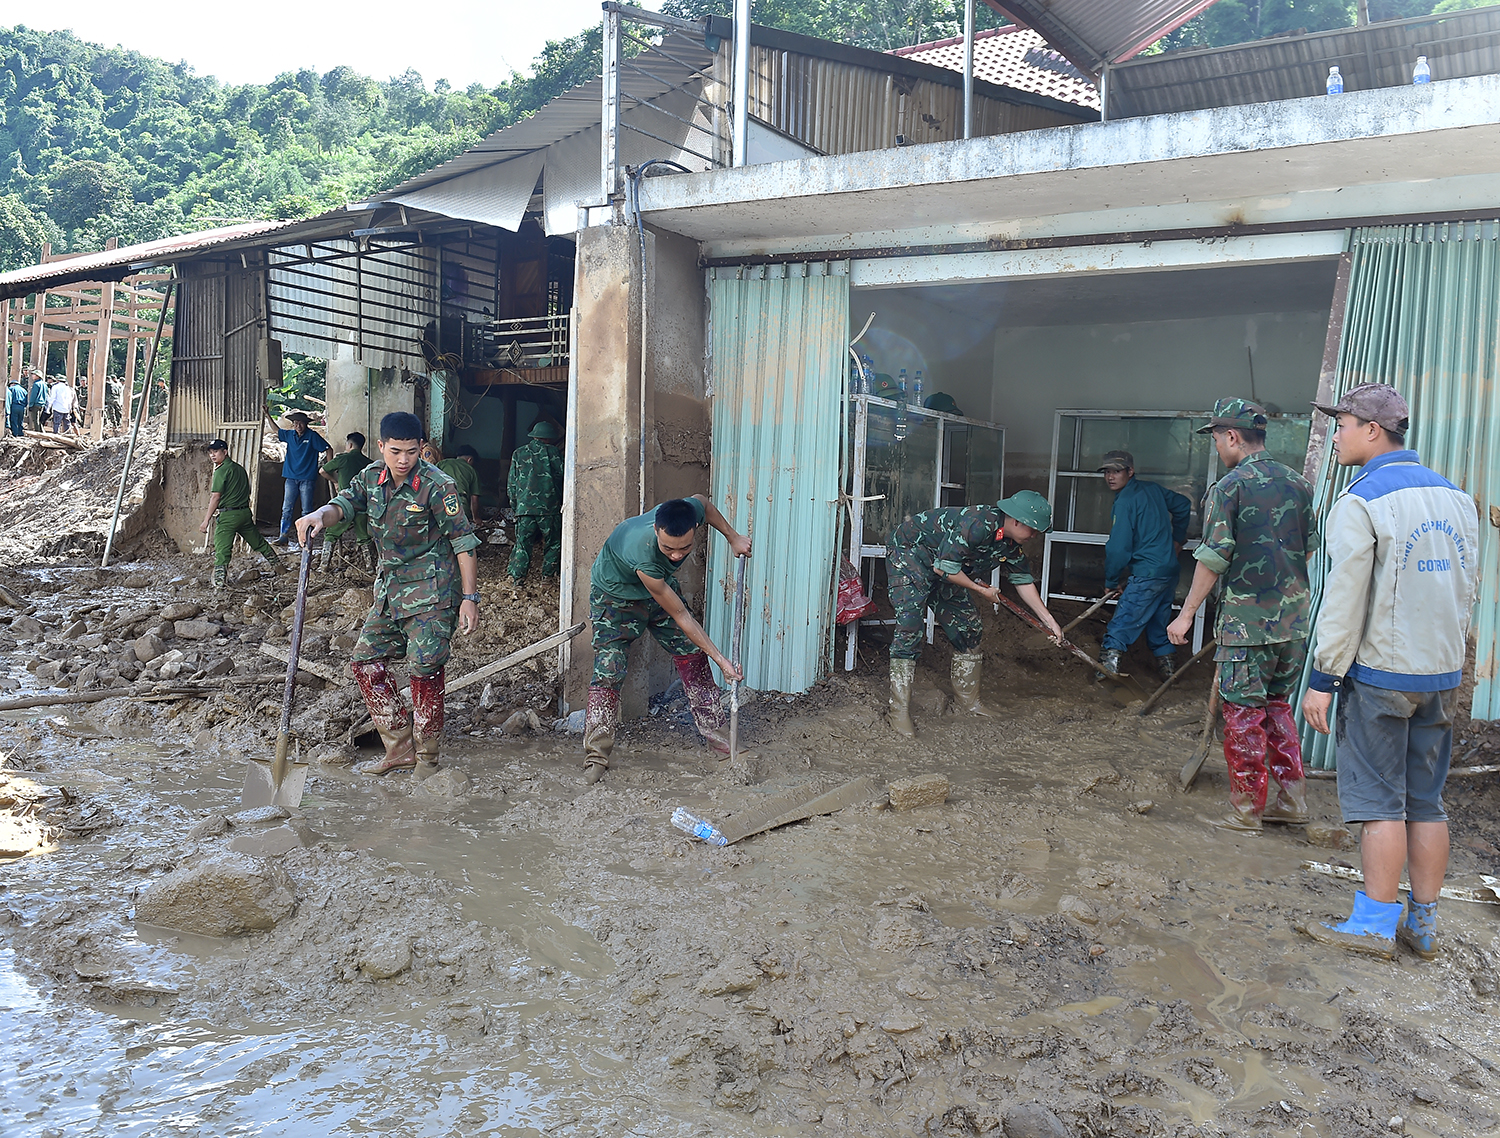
x=1394, y=748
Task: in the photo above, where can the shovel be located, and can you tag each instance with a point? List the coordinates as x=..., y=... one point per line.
x=734, y=658
x=1190, y=769
x=280, y=783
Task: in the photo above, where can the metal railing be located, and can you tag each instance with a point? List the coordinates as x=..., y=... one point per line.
x=529, y=342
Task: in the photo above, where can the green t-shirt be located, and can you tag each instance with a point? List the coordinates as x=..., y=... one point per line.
x=630, y=548
x=345, y=466
x=232, y=485
x=464, y=476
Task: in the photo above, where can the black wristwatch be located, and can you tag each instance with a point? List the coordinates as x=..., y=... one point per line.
x=475, y=597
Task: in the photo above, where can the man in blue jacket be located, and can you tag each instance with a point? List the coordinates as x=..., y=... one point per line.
x=1147, y=529
x=299, y=470
x=37, y=401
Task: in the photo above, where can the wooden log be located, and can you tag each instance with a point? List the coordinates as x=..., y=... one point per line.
x=56, y=440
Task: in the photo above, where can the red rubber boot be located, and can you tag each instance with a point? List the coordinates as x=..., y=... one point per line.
x=1245, y=755
x=704, y=698
x=427, y=720
x=388, y=713
x=1284, y=757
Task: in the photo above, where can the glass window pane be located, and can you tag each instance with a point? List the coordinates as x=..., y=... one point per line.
x=905, y=472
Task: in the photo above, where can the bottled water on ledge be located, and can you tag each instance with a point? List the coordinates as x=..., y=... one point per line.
x=916, y=391
x=1335, y=82
x=1421, y=73
x=688, y=824
x=900, y=430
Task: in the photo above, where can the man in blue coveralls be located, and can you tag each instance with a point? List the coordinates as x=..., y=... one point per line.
x=1147, y=529
x=299, y=470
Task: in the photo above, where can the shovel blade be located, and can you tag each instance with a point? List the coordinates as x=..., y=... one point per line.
x=261, y=790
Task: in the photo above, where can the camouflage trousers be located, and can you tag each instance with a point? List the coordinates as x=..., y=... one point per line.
x=230, y=524
x=1254, y=674
x=913, y=590
x=422, y=638
x=533, y=528
x=619, y=623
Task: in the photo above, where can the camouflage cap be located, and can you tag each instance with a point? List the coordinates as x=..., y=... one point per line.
x=1374, y=403
x=1240, y=414
x=1117, y=460
x=544, y=430
x=1029, y=508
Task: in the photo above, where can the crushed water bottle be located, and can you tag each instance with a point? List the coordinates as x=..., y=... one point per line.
x=698, y=828
x=899, y=433
x=1421, y=73
x=1335, y=82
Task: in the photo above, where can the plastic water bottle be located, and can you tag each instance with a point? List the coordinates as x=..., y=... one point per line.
x=698, y=828
x=900, y=431
x=1335, y=82
x=1421, y=73
x=916, y=390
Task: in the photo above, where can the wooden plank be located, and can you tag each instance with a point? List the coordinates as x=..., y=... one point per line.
x=311, y=667
x=794, y=806
x=1489, y=895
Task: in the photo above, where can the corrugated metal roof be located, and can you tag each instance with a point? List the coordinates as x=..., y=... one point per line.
x=1012, y=56
x=1094, y=32
x=1457, y=45
x=116, y=264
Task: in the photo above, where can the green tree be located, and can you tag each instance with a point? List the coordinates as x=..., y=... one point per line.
x=22, y=233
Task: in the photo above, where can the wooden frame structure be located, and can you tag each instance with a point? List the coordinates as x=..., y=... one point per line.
x=87, y=313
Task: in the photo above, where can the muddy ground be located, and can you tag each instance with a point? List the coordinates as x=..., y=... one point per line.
x=1062, y=948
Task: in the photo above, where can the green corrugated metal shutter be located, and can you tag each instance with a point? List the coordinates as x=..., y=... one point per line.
x=1424, y=316
x=778, y=342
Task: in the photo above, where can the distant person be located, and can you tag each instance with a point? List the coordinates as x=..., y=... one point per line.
x=460, y=468
x=1403, y=547
x=60, y=405
x=1147, y=527
x=339, y=471
x=114, y=391
x=299, y=470
x=15, y=407
x=535, y=487
x=229, y=498
x=37, y=399
x=1258, y=529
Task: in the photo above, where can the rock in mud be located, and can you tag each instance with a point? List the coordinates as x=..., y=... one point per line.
x=1077, y=908
x=523, y=720
x=75, y=630
x=446, y=783
x=194, y=629
x=919, y=790
x=899, y=1023
x=381, y=959
x=739, y=976
x=1032, y=1120
x=927, y=701
x=20, y=836
x=1329, y=836
x=181, y=610
x=27, y=628
x=210, y=827
x=223, y=895
x=148, y=647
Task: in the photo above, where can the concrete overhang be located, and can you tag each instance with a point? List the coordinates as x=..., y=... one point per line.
x=1195, y=167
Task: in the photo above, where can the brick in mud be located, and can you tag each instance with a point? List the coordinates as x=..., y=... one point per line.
x=919, y=790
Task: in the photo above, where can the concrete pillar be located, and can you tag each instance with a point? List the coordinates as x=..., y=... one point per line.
x=347, y=390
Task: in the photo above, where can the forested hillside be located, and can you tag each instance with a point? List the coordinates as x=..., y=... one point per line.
x=101, y=142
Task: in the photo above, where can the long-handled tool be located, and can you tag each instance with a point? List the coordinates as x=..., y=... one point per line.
x=281, y=784
x=1090, y=611
x=1190, y=769
x=1174, y=677
x=734, y=658
x=1062, y=641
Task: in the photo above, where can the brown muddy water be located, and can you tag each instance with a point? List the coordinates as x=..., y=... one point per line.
x=1063, y=935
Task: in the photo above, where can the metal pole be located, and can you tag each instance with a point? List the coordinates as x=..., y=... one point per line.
x=968, y=68
x=135, y=428
x=1104, y=93
x=609, y=172
x=741, y=125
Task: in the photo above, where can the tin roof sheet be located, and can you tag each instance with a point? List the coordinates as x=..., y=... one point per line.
x=1094, y=32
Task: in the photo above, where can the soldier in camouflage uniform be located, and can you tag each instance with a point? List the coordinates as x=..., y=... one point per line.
x=633, y=590
x=340, y=470
x=940, y=559
x=1258, y=530
x=426, y=584
x=535, y=486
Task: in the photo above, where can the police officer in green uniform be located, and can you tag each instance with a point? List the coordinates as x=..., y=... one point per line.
x=1258, y=530
x=229, y=498
x=535, y=486
x=340, y=470
x=460, y=468
x=427, y=583
x=633, y=590
x=941, y=559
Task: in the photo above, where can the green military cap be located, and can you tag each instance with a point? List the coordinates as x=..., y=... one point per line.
x=544, y=430
x=1238, y=413
x=1029, y=508
x=886, y=386
x=941, y=401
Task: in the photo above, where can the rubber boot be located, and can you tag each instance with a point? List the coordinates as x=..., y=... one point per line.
x=705, y=699
x=1370, y=929
x=1284, y=758
x=1109, y=659
x=1418, y=928
x=1245, y=755
x=427, y=721
x=325, y=559
x=903, y=672
x=388, y=713
x=221, y=577
x=967, y=669
x=600, y=721
x=275, y=562
x=1166, y=666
